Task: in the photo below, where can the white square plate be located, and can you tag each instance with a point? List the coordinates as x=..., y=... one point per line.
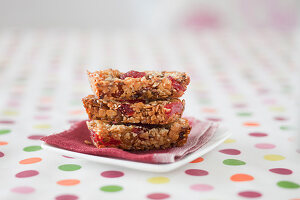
x=221, y=134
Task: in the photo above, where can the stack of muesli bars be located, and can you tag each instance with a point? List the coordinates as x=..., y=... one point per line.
x=137, y=110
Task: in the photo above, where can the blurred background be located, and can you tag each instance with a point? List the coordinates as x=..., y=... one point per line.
x=155, y=15
x=244, y=63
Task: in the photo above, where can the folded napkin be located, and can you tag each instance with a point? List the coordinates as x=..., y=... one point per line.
x=73, y=140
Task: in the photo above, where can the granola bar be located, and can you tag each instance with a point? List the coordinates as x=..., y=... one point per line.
x=134, y=111
x=139, y=136
x=150, y=85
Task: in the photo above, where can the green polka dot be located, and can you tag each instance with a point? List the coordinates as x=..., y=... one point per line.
x=233, y=162
x=69, y=167
x=111, y=188
x=48, y=91
x=32, y=148
x=244, y=114
x=288, y=184
x=21, y=79
x=285, y=128
x=75, y=102
x=204, y=101
x=4, y=131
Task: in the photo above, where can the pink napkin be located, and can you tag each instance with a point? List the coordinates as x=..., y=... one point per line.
x=73, y=140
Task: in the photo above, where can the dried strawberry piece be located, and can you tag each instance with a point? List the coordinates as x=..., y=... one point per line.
x=137, y=130
x=174, y=108
x=95, y=137
x=111, y=141
x=133, y=74
x=99, y=140
x=176, y=84
x=125, y=109
x=133, y=101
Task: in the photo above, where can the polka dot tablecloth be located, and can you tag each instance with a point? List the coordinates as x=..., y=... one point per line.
x=241, y=80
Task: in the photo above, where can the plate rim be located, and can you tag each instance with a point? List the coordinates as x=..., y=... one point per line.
x=220, y=136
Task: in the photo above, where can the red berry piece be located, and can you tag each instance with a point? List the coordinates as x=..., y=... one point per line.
x=125, y=109
x=176, y=84
x=137, y=130
x=133, y=101
x=95, y=137
x=174, y=108
x=111, y=141
x=133, y=74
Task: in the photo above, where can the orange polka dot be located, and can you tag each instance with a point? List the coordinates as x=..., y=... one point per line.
x=209, y=110
x=292, y=139
x=3, y=143
x=68, y=182
x=241, y=177
x=251, y=124
x=30, y=161
x=76, y=112
x=46, y=100
x=197, y=160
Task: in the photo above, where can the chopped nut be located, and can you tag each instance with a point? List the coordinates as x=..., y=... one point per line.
x=87, y=142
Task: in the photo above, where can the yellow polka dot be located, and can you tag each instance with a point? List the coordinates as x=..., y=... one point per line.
x=42, y=126
x=277, y=109
x=227, y=141
x=158, y=180
x=273, y=157
x=236, y=97
x=198, y=86
x=10, y=112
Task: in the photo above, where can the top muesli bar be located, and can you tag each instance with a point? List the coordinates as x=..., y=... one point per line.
x=114, y=85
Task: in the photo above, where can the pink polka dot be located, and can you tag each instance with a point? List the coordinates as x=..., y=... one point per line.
x=158, y=196
x=258, y=134
x=282, y=171
x=270, y=101
x=112, y=174
x=66, y=197
x=23, y=190
x=68, y=157
x=262, y=91
x=35, y=137
x=249, y=194
x=27, y=173
x=201, y=187
x=1, y=154
x=280, y=118
x=73, y=121
x=196, y=172
x=43, y=108
x=230, y=151
x=265, y=146
x=41, y=117
x=13, y=103
x=214, y=119
x=240, y=105
x=6, y=122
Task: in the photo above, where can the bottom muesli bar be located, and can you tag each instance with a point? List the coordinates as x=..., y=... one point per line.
x=139, y=136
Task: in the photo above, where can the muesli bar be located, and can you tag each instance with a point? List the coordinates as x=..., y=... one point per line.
x=151, y=85
x=134, y=111
x=139, y=136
